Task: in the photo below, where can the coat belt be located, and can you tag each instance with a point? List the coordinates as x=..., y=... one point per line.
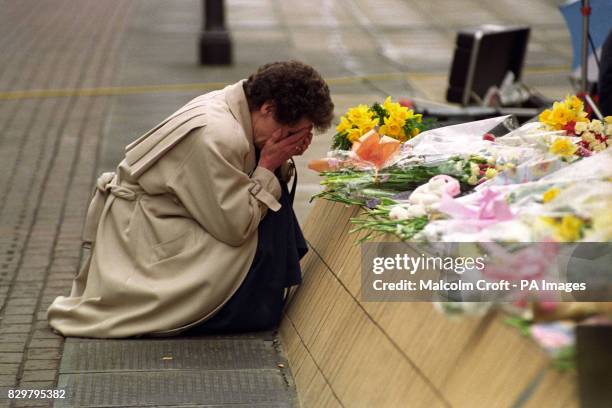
x=105, y=185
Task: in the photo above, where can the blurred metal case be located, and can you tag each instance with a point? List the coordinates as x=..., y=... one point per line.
x=483, y=55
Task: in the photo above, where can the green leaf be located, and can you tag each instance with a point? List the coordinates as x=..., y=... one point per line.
x=520, y=323
x=379, y=112
x=341, y=142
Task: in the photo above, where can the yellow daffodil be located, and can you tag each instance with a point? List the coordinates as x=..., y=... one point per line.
x=362, y=121
x=359, y=113
x=391, y=129
x=562, y=113
x=390, y=106
x=357, y=121
x=343, y=125
x=545, y=116
x=574, y=102
x=550, y=194
x=353, y=135
x=366, y=125
x=568, y=228
x=401, y=114
x=577, y=107
x=563, y=147
x=398, y=111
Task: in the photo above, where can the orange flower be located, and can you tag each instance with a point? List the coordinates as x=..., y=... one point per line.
x=375, y=149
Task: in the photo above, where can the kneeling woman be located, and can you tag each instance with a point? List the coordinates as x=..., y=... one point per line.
x=195, y=230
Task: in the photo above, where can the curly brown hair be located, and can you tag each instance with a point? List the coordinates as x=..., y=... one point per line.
x=297, y=90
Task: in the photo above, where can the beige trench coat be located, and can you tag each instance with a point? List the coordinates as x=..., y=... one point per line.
x=174, y=229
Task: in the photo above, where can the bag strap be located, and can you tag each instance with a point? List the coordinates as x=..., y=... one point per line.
x=287, y=290
x=294, y=184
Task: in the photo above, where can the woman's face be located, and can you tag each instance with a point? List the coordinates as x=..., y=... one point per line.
x=264, y=125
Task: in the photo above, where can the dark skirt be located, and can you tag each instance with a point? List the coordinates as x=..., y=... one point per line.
x=257, y=304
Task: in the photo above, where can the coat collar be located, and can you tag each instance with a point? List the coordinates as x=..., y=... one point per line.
x=238, y=105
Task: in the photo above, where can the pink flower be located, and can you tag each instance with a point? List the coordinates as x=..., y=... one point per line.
x=553, y=336
x=406, y=103
x=583, y=152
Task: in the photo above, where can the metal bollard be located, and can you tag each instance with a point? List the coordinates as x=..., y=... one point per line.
x=215, y=46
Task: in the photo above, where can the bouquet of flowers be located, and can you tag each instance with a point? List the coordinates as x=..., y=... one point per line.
x=391, y=118
x=585, y=136
x=564, y=134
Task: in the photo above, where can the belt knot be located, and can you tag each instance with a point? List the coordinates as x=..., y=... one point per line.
x=107, y=183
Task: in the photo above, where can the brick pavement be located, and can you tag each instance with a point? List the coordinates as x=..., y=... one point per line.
x=48, y=156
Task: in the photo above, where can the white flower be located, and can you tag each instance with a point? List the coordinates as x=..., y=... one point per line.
x=588, y=137
x=416, y=210
x=423, y=198
x=399, y=213
x=474, y=169
x=581, y=127
x=596, y=126
x=598, y=147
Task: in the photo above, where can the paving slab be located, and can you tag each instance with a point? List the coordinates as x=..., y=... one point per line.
x=240, y=370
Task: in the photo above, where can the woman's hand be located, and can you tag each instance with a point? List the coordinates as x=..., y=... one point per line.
x=304, y=145
x=281, y=147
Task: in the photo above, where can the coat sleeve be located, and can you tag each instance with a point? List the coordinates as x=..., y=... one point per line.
x=212, y=185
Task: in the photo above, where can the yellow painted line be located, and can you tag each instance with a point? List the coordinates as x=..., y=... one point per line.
x=109, y=91
x=549, y=70
x=208, y=86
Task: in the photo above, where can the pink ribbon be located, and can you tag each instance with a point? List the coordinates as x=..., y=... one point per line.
x=491, y=209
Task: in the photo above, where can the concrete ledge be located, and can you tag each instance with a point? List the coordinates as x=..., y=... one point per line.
x=381, y=354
